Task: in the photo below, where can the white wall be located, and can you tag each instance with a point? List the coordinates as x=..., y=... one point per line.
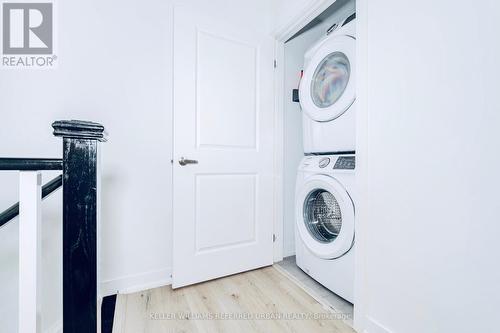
x=430, y=171
x=293, y=150
x=115, y=67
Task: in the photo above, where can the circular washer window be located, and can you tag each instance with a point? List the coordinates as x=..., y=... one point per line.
x=322, y=216
x=330, y=79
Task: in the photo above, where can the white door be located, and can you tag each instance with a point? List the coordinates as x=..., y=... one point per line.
x=223, y=119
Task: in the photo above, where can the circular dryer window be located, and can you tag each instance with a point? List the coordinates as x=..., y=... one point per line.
x=330, y=79
x=322, y=216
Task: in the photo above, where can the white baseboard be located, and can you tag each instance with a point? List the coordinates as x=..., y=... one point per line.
x=373, y=326
x=134, y=283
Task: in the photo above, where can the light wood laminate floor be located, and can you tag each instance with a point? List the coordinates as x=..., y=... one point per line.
x=262, y=300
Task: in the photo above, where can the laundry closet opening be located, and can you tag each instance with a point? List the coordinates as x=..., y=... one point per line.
x=319, y=157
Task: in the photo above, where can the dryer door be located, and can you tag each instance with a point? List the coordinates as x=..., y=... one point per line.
x=325, y=217
x=327, y=89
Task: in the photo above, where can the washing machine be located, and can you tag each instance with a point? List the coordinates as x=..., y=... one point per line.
x=327, y=91
x=325, y=214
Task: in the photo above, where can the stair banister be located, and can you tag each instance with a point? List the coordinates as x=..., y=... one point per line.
x=80, y=218
x=80, y=185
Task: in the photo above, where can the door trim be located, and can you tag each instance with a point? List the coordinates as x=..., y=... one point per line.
x=304, y=16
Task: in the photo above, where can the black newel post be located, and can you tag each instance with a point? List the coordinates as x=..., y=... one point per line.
x=80, y=142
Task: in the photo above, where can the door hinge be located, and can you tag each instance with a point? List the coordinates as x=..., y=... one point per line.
x=274, y=238
x=275, y=63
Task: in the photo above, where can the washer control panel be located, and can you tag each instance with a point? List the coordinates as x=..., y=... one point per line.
x=323, y=163
x=345, y=163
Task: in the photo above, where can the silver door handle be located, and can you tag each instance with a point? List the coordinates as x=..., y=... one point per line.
x=184, y=161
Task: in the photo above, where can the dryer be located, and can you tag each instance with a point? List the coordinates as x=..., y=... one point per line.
x=325, y=212
x=327, y=92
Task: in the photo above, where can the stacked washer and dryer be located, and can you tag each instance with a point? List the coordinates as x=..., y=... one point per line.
x=325, y=188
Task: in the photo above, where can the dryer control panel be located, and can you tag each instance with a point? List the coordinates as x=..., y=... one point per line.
x=345, y=163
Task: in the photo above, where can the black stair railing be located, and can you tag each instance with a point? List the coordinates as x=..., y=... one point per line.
x=79, y=182
x=27, y=164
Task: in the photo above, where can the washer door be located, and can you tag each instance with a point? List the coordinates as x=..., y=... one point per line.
x=325, y=217
x=327, y=89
